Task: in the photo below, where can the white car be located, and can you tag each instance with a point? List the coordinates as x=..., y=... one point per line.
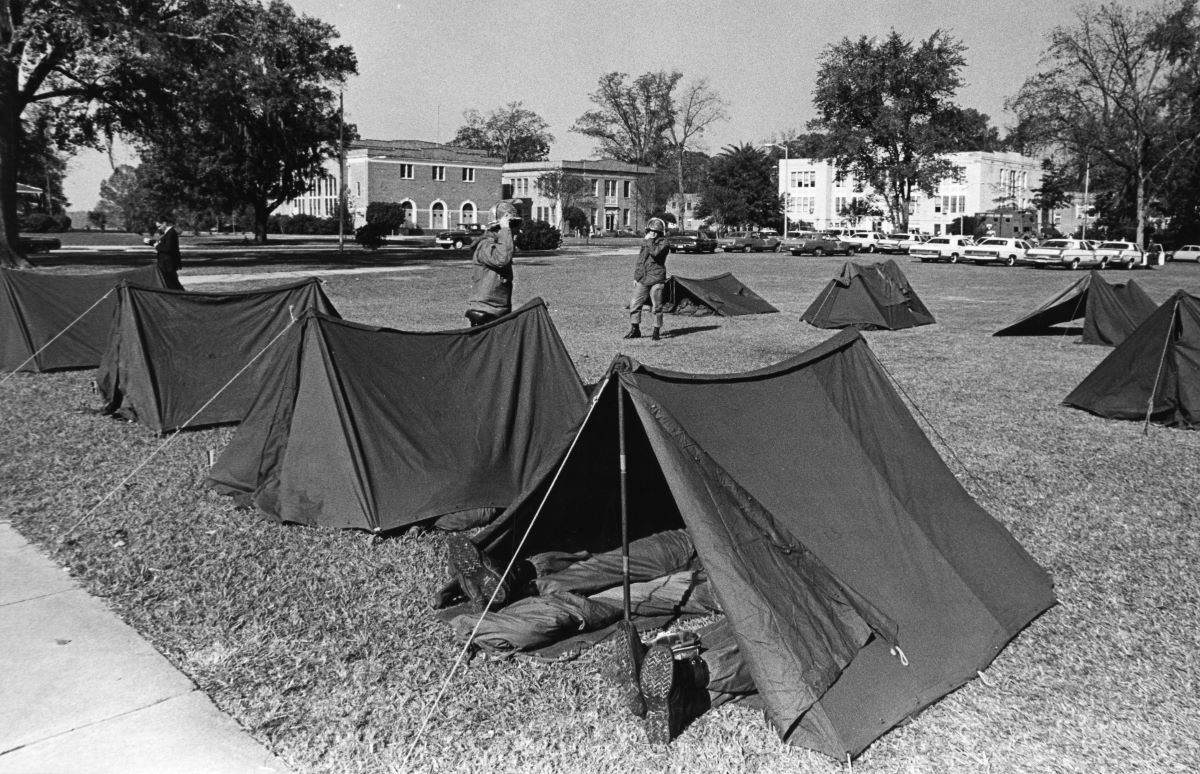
x=950, y=247
x=1125, y=254
x=1187, y=253
x=865, y=241
x=997, y=250
x=899, y=243
x=1071, y=253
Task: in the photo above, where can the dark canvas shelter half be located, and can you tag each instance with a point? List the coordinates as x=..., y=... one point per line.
x=376, y=428
x=828, y=525
x=723, y=294
x=170, y=353
x=1155, y=371
x=1109, y=312
x=36, y=307
x=868, y=296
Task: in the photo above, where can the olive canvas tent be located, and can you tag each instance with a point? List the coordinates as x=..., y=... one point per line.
x=196, y=359
x=58, y=321
x=868, y=296
x=862, y=581
x=1109, y=312
x=723, y=294
x=1154, y=374
x=376, y=429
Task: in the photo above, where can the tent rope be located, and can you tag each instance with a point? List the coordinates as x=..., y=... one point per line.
x=57, y=336
x=180, y=429
x=933, y=428
x=1158, y=375
x=462, y=653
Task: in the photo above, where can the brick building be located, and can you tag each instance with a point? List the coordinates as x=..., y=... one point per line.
x=611, y=198
x=438, y=186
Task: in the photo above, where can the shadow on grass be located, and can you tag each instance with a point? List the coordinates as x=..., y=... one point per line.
x=671, y=333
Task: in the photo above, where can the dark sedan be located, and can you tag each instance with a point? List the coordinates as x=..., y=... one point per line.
x=823, y=244
x=463, y=236
x=699, y=241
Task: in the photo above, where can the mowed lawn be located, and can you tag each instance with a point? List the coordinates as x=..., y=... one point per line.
x=322, y=644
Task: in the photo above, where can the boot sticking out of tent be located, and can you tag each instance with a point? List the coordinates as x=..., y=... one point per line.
x=483, y=582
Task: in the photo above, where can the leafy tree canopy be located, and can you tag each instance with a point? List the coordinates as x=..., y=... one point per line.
x=632, y=120
x=511, y=133
x=886, y=108
x=740, y=189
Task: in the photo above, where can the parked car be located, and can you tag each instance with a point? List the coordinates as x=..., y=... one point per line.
x=750, y=241
x=458, y=238
x=38, y=244
x=997, y=250
x=899, y=243
x=950, y=247
x=1071, y=253
x=1124, y=254
x=697, y=241
x=822, y=244
x=1186, y=253
x=866, y=241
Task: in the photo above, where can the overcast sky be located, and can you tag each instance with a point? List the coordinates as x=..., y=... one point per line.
x=422, y=63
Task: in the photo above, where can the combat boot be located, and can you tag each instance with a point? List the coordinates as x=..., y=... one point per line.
x=635, y=332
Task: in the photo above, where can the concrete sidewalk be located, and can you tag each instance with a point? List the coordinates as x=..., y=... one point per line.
x=81, y=691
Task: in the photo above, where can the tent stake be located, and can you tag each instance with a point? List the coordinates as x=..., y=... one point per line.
x=624, y=500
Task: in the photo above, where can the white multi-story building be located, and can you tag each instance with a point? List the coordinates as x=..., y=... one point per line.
x=990, y=180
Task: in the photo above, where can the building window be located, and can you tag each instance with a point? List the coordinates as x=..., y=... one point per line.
x=806, y=179
x=357, y=188
x=439, y=172
x=406, y=171
x=468, y=174
x=610, y=188
x=625, y=191
x=595, y=187
x=625, y=216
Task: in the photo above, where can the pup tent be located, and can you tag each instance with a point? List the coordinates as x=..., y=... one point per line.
x=1109, y=312
x=170, y=352
x=36, y=307
x=376, y=429
x=862, y=581
x=1154, y=374
x=868, y=296
x=723, y=294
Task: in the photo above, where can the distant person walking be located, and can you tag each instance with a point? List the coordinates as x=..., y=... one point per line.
x=492, y=277
x=649, y=279
x=167, y=249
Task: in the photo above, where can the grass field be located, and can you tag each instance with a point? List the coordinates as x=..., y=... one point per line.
x=322, y=643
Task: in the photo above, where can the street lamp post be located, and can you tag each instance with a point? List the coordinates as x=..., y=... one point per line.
x=782, y=182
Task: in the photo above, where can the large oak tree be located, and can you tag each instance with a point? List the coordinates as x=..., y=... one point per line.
x=886, y=107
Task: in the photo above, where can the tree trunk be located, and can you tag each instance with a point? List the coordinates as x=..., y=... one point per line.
x=260, y=221
x=10, y=141
x=1141, y=205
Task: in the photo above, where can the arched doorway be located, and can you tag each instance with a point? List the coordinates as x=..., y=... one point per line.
x=437, y=215
x=467, y=215
x=407, y=219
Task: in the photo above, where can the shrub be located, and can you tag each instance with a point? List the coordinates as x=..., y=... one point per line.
x=39, y=223
x=371, y=236
x=538, y=235
x=388, y=214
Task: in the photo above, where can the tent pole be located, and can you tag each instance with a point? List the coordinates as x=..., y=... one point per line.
x=624, y=500
x=1158, y=375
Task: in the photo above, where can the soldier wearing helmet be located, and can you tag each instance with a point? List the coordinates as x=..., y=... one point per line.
x=492, y=275
x=649, y=279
